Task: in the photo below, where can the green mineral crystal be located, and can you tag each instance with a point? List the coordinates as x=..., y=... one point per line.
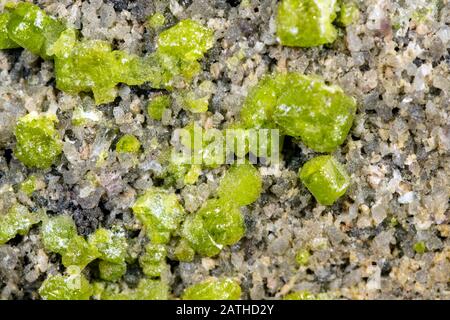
x=184, y=252
x=306, y=295
x=17, y=221
x=5, y=41
x=153, y=261
x=56, y=233
x=302, y=257
x=242, y=184
x=325, y=178
x=217, y=224
x=111, y=271
x=38, y=142
x=128, y=144
x=156, y=21
x=301, y=106
x=79, y=253
x=160, y=213
x=197, y=100
x=31, y=28
x=213, y=289
x=73, y=286
x=348, y=14
x=111, y=244
x=148, y=289
x=187, y=40
x=306, y=23
x=420, y=247
x=29, y=185
x=157, y=106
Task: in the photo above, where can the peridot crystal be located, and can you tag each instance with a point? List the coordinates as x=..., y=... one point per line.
x=217, y=224
x=111, y=271
x=31, y=28
x=38, y=142
x=213, y=289
x=17, y=221
x=56, y=233
x=160, y=213
x=306, y=23
x=153, y=261
x=111, y=244
x=157, y=105
x=5, y=41
x=325, y=178
x=241, y=184
x=128, y=144
x=73, y=286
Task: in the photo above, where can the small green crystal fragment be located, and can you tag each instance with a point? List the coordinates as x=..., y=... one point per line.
x=187, y=40
x=325, y=178
x=302, y=257
x=160, y=212
x=213, y=289
x=33, y=29
x=111, y=244
x=29, y=185
x=156, y=21
x=157, y=106
x=242, y=184
x=56, y=233
x=79, y=253
x=148, y=289
x=306, y=23
x=153, y=261
x=73, y=286
x=420, y=247
x=216, y=224
x=38, y=142
x=111, y=271
x=197, y=100
x=18, y=220
x=306, y=295
x=321, y=115
x=192, y=175
x=128, y=144
x=5, y=41
x=184, y=252
x=348, y=14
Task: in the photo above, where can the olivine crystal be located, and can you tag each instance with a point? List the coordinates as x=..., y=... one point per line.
x=18, y=220
x=73, y=286
x=31, y=28
x=160, y=212
x=128, y=144
x=241, y=184
x=325, y=178
x=213, y=289
x=5, y=41
x=218, y=223
x=111, y=271
x=79, y=253
x=157, y=105
x=111, y=244
x=56, y=233
x=153, y=261
x=306, y=295
x=38, y=142
x=302, y=106
x=306, y=23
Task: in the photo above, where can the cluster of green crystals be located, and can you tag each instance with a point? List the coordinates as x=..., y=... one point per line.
x=92, y=65
x=320, y=115
x=213, y=289
x=38, y=142
x=309, y=23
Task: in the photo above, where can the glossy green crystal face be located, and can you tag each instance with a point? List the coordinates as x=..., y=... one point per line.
x=306, y=295
x=217, y=224
x=79, y=253
x=420, y=247
x=128, y=144
x=302, y=257
x=111, y=244
x=157, y=106
x=306, y=23
x=213, y=289
x=184, y=252
x=5, y=41
x=153, y=261
x=348, y=14
x=111, y=271
x=56, y=233
x=66, y=287
x=29, y=185
x=147, y=289
x=325, y=178
x=156, y=21
x=242, y=185
x=17, y=221
x=38, y=142
x=187, y=40
x=31, y=28
x=301, y=106
x=160, y=213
